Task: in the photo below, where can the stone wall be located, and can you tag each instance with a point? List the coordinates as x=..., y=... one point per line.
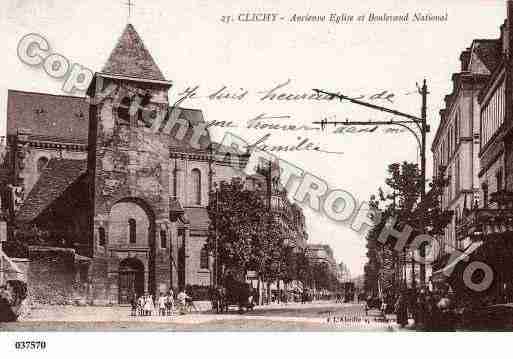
x=54, y=275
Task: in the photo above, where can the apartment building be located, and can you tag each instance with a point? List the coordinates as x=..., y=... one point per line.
x=457, y=140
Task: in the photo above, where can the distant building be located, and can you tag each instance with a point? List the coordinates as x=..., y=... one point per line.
x=322, y=253
x=344, y=275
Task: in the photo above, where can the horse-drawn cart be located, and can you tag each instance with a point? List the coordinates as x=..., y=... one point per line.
x=234, y=293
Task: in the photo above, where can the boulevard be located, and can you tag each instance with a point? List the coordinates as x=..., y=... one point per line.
x=316, y=316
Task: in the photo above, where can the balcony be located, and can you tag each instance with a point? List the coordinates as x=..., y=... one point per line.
x=484, y=221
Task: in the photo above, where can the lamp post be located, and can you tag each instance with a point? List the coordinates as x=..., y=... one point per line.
x=216, y=241
x=423, y=129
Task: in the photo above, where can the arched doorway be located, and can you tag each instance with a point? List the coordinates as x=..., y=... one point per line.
x=131, y=279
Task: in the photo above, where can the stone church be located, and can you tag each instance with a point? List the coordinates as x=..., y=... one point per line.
x=130, y=200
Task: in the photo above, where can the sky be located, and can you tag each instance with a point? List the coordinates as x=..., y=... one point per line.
x=194, y=47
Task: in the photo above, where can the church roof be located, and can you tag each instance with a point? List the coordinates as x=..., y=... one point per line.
x=131, y=58
x=194, y=118
x=57, y=176
x=50, y=117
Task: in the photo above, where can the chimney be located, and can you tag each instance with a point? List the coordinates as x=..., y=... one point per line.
x=507, y=33
x=504, y=37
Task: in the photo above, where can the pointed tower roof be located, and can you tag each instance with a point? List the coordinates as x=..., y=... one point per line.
x=131, y=58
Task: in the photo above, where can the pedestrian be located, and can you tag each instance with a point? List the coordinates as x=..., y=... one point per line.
x=430, y=313
x=6, y=312
x=140, y=305
x=182, y=301
x=444, y=306
x=383, y=306
x=401, y=310
x=162, y=304
x=133, y=303
x=170, y=302
x=420, y=309
x=149, y=307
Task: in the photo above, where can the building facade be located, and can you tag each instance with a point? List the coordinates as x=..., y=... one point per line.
x=488, y=225
x=456, y=144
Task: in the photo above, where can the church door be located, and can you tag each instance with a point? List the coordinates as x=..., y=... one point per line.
x=131, y=279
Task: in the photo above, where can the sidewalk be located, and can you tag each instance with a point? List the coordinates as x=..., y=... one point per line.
x=122, y=313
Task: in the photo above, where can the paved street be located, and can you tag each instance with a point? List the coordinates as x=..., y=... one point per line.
x=323, y=316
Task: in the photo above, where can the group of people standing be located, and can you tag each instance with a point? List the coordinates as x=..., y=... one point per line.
x=430, y=310
x=164, y=305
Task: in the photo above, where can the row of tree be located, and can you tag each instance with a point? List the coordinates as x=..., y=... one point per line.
x=384, y=271
x=246, y=235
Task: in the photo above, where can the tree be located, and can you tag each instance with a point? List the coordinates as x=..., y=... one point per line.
x=236, y=218
x=383, y=271
x=248, y=236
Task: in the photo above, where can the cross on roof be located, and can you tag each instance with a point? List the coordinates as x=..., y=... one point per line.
x=129, y=4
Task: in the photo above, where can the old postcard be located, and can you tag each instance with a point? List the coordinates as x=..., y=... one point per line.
x=262, y=166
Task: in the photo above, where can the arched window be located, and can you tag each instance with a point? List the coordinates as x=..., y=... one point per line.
x=101, y=236
x=163, y=239
x=41, y=164
x=196, y=186
x=204, y=258
x=132, y=231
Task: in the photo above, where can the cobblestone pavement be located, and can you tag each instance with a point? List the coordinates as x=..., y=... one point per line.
x=320, y=316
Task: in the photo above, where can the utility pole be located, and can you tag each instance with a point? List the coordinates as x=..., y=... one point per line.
x=1, y=264
x=216, y=243
x=422, y=127
x=423, y=115
x=3, y=238
x=268, y=178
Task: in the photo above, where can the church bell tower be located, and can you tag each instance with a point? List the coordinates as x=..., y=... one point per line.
x=128, y=166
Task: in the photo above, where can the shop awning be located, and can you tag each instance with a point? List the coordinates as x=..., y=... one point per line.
x=446, y=271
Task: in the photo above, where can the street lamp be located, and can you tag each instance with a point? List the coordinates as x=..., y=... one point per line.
x=422, y=127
